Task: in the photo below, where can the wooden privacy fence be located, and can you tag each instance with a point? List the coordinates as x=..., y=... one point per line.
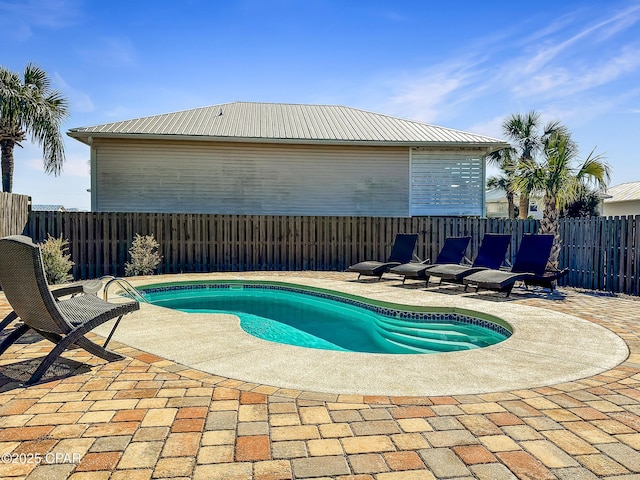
x=14, y=213
x=599, y=252
x=602, y=253
x=99, y=242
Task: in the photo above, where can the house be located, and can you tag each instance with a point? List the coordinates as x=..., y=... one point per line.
x=498, y=207
x=285, y=159
x=623, y=199
x=48, y=208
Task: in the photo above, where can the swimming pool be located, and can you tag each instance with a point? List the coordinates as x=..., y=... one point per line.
x=322, y=319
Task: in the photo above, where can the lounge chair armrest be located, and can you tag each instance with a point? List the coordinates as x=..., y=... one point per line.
x=73, y=289
x=555, y=270
x=466, y=261
x=554, y=274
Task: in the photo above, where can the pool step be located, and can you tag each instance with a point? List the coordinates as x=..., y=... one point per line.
x=429, y=344
x=434, y=331
x=410, y=348
x=441, y=325
x=428, y=336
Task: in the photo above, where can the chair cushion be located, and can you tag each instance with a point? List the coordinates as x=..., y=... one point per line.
x=371, y=267
x=494, y=279
x=412, y=270
x=453, y=271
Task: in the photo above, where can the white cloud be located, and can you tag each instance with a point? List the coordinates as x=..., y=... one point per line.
x=431, y=94
x=490, y=128
x=561, y=81
x=76, y=165
x=20, y=19
x=599, y=32
x=78, y=101
x=562, y=65
x=620, y=22
x=111, y=52
x=120, y=112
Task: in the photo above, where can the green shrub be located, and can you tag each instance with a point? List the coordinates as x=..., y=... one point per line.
x=56, y=260
x=144, y=256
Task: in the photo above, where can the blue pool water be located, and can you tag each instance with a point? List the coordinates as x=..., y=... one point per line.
x=310, y=319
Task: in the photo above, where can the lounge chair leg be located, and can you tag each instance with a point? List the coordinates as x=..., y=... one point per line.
x=74, y=337
x=97, y=350
x=12, y=337
x=106, y=342
x=7, y=320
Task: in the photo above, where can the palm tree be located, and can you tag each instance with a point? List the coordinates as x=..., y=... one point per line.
x=506, y=180
x=29, y=107
x=561, y=181
x=528, y=141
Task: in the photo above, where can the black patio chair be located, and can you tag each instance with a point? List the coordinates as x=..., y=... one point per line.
x=402, y=252
x=452, y=251
x=530, y=263
x=85, y=287
x=490, y=256
x=63, y=322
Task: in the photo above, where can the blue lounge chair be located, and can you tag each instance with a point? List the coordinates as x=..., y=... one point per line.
x=530, y=262
x=452, y=251
x=490, y=256
x=64, y=322
x=402, y=252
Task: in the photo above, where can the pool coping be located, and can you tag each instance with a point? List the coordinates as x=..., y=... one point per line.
x=546, y=347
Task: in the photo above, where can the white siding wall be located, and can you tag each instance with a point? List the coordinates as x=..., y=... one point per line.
x=234, y=178
x=447, y=182
x=613, y=209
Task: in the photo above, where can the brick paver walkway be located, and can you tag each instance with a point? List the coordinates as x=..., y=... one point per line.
x=146, y=417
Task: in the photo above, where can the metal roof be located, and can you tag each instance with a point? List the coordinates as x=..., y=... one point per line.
x=625, y=192
x=47, y=208
x=495, y=195
x=285, y=123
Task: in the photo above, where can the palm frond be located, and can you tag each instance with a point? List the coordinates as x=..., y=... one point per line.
x=595, y=170
x=37, y=79
x=30, y=107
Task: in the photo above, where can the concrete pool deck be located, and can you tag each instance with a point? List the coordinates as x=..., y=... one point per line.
x=541, y=351
x=147, y=417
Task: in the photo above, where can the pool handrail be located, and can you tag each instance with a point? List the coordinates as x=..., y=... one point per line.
x=129, y=289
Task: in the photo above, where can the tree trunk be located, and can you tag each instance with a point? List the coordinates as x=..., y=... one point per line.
x=6, y=147
x=511, y=206
x=523, y=206
x=549, y=224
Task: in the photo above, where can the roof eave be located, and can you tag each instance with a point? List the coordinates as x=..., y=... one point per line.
x=87, y=136
x=613, y=200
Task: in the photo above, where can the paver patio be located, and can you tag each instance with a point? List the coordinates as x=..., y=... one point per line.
x=147, y=417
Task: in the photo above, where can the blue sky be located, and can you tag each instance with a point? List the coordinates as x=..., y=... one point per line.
x=464, y=65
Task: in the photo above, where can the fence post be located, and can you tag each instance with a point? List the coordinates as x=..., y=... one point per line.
x=14, y=213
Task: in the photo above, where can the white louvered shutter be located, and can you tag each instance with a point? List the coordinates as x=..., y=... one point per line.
x=446, y=183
